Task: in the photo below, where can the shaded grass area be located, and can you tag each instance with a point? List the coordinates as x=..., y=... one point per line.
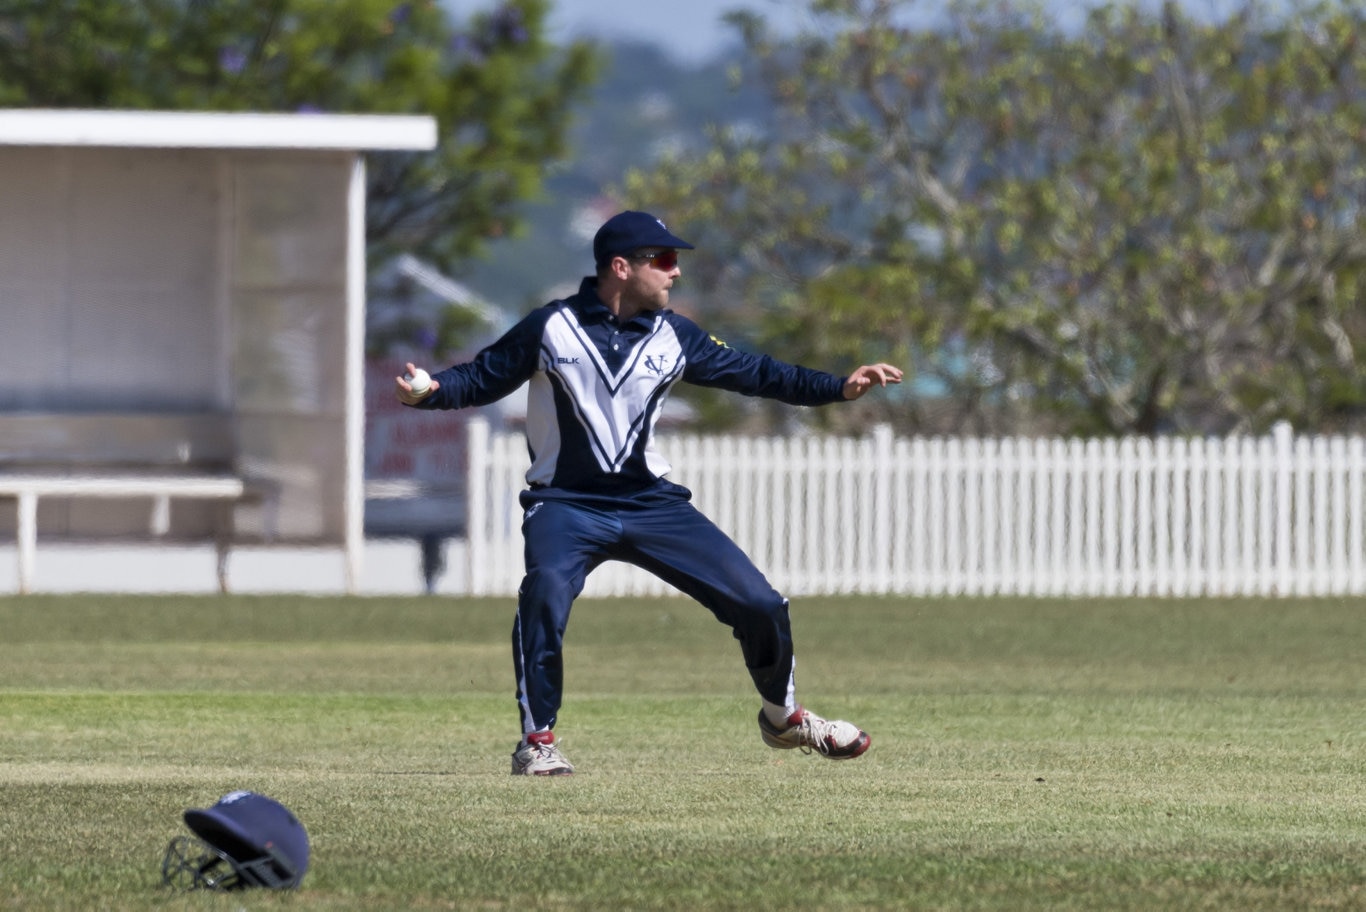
x=1027, y=754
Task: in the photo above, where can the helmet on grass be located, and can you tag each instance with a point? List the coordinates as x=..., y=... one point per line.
x=245, y=840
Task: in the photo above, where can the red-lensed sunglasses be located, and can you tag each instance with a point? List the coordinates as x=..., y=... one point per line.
x=665, y=260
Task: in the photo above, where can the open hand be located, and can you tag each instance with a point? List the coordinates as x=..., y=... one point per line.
x=869, y=375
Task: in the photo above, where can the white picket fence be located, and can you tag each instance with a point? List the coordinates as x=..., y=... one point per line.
x=1274, y=515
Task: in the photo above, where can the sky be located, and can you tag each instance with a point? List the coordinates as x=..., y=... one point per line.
x=692, y=36
x=690, y=30
x=693, y=30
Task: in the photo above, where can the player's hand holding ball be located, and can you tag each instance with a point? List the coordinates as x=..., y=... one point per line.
x=416, y=386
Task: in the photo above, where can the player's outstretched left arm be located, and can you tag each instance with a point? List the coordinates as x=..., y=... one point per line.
x=869, y=375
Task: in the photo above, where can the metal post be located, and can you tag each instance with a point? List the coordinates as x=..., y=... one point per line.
x=476, y=507
x=27, y=541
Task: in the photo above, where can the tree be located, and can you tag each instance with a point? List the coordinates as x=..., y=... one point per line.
x=1150, y=225
x=502, y=95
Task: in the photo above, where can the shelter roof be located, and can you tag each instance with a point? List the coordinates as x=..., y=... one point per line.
x=216, y=130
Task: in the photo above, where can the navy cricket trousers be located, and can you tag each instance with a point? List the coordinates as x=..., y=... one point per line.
x=565, y=541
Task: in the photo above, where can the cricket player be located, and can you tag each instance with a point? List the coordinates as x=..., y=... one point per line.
x=600, y=365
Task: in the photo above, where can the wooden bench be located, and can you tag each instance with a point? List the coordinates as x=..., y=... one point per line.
x=114, y=456
x=160, y=488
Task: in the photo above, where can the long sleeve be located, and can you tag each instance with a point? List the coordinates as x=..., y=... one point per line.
x=494, y=372
x=711, y=362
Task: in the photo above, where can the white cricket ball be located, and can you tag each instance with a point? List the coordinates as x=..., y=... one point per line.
x=419, y=380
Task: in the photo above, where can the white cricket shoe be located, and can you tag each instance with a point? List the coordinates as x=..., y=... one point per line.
x=808, y=732
x=539, y=755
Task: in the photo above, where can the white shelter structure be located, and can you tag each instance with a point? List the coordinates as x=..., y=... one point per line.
x=182, y=320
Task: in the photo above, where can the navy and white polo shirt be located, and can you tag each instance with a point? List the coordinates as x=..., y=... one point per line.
x=597, y=387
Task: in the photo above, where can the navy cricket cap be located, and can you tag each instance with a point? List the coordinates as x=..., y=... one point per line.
x=628, y=231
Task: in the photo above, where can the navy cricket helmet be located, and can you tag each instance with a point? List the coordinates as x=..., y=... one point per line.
x=245, y=840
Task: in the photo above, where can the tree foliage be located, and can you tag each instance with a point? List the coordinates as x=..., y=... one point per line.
x=1149, y=224
x=502, y=94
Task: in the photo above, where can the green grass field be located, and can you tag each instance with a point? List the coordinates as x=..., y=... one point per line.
x=1026, y=755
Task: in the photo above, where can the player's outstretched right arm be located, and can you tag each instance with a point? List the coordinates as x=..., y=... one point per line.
x=489, y=376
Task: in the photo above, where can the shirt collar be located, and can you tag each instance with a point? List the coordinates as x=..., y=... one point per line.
x=591, y=309
x=587, y=302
